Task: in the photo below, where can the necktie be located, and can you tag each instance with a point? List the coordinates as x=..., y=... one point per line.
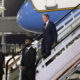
x=45, y=27
x=26, y=51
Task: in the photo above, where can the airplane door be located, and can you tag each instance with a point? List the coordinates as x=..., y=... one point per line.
x=51, y=4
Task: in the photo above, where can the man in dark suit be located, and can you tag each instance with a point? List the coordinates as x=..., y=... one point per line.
x=49, y=36
x=2, y=63
x=28, y=61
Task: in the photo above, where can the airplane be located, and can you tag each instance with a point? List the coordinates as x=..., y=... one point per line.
x=29, y=16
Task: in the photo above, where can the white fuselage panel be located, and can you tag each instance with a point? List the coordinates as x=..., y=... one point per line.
x=41, y=4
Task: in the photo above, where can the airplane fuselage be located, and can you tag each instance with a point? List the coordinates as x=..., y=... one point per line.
x=30, y=15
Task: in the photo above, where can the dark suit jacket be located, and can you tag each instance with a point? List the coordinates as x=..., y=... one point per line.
x=49, y=34
x=2, y=59
x=29, y=58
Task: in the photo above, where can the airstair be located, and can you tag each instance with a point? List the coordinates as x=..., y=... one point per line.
x=65, y=56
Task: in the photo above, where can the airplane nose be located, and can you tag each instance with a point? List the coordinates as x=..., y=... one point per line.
x=20, y=16
x=27, y=16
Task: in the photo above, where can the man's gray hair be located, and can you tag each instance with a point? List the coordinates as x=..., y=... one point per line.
x=46, y=15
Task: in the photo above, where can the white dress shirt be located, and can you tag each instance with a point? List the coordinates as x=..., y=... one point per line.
x=27, y=49
x=46, y=24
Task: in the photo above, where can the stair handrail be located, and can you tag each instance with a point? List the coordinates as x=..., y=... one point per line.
x=62, y=39
x=67, y=14
x=7, y=63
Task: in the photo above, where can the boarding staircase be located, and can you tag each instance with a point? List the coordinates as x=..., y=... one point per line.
x=65, y=56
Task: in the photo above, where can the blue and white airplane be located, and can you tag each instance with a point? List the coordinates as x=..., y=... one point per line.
x=29, y=16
